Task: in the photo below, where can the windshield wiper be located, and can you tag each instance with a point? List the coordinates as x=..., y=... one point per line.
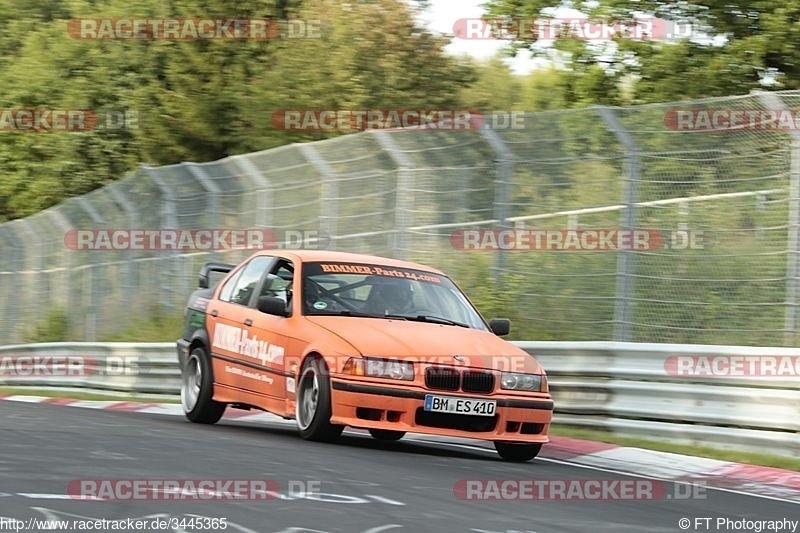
x=343, y=312
x=417, y=318
x=359, y=314
x=390, y=315
x=432, y=319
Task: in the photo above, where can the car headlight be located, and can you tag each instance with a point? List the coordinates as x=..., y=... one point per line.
x=523, y=382
x=379, y=368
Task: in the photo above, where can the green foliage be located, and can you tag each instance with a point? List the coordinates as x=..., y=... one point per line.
x=494, y=293
x=544, y=90
x=496, y=87
x=54, y=327
x=198, y=100
x=151, y=326
x=78, y=394
x=734, y=48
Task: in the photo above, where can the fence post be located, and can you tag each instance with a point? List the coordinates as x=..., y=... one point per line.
x=625, y=258
x=65, y=288
x=404, y=201
x=13, y=258
x=504, y=164
x=774, y=102
x=213, y=191
x=125, y=204
x=32, y=241
x=263, y=198
x=169, y=217
x=330, y=192
x=792, y=246
x=92, y=313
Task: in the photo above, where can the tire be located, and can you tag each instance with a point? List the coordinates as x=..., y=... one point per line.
x=197, y=386
x=517, y=452
x=313, y=405
x=386, y=434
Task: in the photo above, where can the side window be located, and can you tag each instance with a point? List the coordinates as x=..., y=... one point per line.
x=246, y=284
x=227, y=289
x=279, y=282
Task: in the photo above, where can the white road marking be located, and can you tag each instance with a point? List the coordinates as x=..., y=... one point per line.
x=382, y=528
x=381, y=499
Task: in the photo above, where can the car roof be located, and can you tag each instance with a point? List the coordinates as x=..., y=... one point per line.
x=346, y=257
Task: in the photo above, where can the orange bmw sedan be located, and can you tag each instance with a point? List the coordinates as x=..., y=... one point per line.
x=333, y=339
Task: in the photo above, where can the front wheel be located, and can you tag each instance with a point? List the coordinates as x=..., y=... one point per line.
x=197, y=386
x=517, y=452
x=313, y=411
x=386, y=434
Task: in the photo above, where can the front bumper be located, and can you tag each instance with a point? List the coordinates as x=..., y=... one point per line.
x=369, y=405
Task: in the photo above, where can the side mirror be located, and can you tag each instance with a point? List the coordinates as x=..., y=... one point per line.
x=500, y=326
x=272, y=306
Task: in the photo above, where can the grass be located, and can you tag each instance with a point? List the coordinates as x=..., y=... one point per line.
x=752, y=458
x=81, y=395
x=154, y=327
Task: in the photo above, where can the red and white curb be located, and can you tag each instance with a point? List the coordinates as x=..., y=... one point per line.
x=761, y=480
x=737, y=477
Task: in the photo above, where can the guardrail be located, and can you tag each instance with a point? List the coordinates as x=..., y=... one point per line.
x=115, y=368
x=623, y=388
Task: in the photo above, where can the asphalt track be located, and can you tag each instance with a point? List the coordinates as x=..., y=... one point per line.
x=363, y=485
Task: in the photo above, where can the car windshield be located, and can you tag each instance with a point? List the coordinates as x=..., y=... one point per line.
x=380, y=291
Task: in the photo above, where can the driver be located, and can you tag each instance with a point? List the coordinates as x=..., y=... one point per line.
x=392, y=297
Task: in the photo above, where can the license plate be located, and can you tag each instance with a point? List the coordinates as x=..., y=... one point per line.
x=461, y=406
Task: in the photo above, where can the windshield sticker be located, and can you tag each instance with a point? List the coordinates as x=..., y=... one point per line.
x=347, y=269
x=373, y=270
x=320, y=305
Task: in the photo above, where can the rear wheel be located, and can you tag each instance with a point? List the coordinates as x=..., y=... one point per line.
x=313, y=411
x=517, y=452
x=197, y=386
x=386, y=434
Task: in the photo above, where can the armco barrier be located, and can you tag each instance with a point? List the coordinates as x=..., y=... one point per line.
x=625, y=388
x=619, y=387
x=116, y=367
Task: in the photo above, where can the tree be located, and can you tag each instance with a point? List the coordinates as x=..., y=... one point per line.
x=373, y=56
x=198, y=100
x=496, y=87
x=734, y=47
x=544, y=90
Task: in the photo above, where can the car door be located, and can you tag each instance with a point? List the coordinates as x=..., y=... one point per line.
x=272, y=333
x=229, y=322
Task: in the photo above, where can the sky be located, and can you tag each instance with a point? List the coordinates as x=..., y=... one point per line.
x=440, y=18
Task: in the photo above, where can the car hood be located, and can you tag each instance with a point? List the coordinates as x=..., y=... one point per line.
x=428, y=343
